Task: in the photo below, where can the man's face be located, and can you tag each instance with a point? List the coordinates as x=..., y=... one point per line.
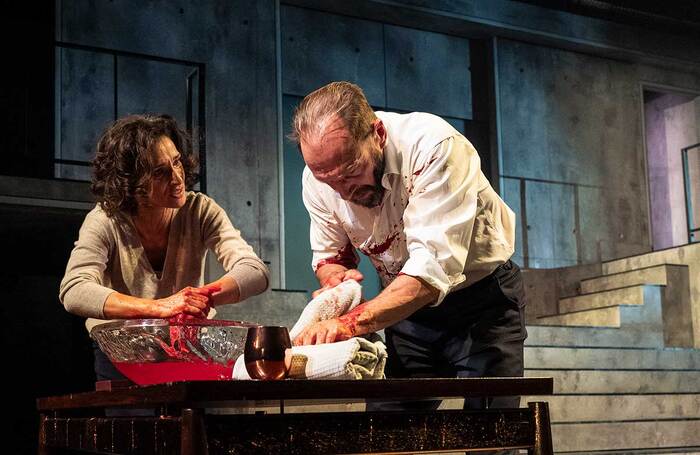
x=168, y=177
x=353, y=169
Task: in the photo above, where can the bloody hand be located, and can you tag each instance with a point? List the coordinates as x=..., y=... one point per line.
x=198, y=302
x=336, y=278
x=328, y=331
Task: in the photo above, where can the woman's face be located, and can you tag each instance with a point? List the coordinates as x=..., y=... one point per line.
x=168, y=177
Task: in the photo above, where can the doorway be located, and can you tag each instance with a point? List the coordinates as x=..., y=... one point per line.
x=672, y=132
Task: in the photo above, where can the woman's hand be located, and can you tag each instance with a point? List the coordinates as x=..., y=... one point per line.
x=186, y=304
x=189, y=302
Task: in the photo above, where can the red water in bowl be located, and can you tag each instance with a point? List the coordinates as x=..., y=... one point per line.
x=145, y=373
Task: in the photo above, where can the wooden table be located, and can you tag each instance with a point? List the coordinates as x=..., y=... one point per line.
x=181, y=423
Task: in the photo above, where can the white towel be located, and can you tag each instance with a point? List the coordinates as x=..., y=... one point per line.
x=329, y=304
x=356, y=358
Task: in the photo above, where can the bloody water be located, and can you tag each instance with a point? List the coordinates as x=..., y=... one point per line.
x=145, y=373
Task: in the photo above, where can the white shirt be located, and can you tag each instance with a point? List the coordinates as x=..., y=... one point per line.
x=439, y=220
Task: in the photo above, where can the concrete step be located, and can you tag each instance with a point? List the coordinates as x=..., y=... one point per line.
x=674, y=280
x=630, y=437
x=599, y=408
x=646, y=316
x=631, y=295
x=553, y=335
x=612, y=358
x=598, y=317
x=686, y=254
x=584, y=382
x=648, y=275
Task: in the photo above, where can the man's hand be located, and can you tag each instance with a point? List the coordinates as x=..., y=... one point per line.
x=334, y=277
x=328, y=331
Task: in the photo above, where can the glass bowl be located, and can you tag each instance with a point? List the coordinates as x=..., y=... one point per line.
x=153, y=351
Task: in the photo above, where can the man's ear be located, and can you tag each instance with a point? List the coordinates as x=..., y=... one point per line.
x=380, y=131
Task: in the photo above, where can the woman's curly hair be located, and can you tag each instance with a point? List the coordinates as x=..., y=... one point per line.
x=123, y=164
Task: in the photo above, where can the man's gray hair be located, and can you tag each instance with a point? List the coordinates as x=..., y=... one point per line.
x=343, y=99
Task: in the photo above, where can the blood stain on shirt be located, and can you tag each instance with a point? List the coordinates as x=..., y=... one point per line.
x=381, y=247
x=418, y=172
x=345, y=257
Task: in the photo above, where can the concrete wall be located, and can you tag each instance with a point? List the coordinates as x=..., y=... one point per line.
x=571, y=127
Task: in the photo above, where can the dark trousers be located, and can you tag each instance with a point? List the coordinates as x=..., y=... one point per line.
x=104, y=369
x=476, y=331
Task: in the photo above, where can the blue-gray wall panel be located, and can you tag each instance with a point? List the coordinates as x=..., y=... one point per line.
x=540, y=225
x=564, y=218
x=550, y=225
x=152, y=87
x=523, y=106
x=555, y=112
x=86, y=106
x=511, y=196
x=591, y=217
x=318, y=48
x=428, y=72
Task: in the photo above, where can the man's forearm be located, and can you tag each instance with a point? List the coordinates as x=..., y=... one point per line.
x=404, y=296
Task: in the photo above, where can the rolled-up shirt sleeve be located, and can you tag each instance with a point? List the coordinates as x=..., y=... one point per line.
x=82, y=289
x=329, y=241
x=439, y=217
x=235, y=255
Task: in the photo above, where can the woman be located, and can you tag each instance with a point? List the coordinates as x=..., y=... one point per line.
x=141, y=250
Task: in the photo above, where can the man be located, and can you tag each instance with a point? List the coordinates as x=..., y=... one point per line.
x=407, y=190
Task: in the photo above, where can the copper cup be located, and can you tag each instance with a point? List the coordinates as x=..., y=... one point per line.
x=264, y=354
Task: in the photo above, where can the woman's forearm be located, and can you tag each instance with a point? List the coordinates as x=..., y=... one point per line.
x=229, y=291
x=189, y=301
x=122, y=306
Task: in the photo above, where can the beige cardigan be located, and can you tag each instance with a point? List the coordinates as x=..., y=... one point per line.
x=109, y=256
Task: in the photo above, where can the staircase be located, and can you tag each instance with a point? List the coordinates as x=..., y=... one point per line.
x=626, y=373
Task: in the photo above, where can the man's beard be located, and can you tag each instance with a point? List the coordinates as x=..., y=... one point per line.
x=371, y=196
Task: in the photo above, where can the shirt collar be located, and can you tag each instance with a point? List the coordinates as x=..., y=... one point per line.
x=391, y=158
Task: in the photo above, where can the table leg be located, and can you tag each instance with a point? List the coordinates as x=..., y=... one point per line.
x=542, y=428
x=43, y=449
x=193, y=436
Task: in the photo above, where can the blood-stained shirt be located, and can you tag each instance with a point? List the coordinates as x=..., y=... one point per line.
x=440, y=220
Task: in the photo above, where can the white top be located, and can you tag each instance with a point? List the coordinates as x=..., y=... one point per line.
x=440, y=220
x=109, y=256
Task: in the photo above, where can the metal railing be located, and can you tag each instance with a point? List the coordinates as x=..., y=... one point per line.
x=525, y=227
x=693, y=230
